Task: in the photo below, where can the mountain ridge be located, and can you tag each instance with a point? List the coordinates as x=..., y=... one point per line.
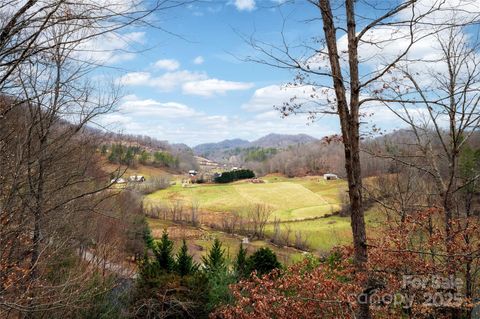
x=272, y=140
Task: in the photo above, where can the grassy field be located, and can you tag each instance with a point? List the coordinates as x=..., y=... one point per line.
x=290, y=199
x=300, y=203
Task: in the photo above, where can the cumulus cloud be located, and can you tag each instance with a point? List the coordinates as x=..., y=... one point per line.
x=167, y=64
x=211, y=87
x=265, y=98
x=244, y=5
x=165, y=82
x=198, y=60
x=191, y=83
x=151, y=107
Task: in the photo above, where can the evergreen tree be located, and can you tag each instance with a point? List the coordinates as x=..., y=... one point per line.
x=163, y=253
x=184, y=264
x=263, y=261
x=215, y=259
x=129, y=156
x=241, y=262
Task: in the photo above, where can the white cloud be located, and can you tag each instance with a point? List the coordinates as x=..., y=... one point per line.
x=211, y=87
x=192, y=83
x=265, y=98
x=165, y=82
x=244, y=5
x=167, y=64
x=198, y=60
x=150, y=107
x=111, y=48
x=177, y=122
x=135, y=78
x=171, y=80
x=384, y=44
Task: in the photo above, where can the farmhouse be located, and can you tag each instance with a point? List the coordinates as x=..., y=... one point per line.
x=136, y=178
x=329, y=176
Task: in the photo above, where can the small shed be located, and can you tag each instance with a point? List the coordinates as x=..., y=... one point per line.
x=245, y=241
x=329, y=176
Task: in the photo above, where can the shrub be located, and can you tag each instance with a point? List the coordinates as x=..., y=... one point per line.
x=263, y=261
x=218, y=288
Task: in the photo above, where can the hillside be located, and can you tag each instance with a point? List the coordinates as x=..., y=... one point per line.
x=210, y=148
x=282, y=140
x=233, y=150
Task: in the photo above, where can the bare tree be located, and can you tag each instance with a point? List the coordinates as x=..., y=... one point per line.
x=194, y=208
x=51, y=180
x=354, y=80
x=258, y=216
x=176, y=210
x=441, y=131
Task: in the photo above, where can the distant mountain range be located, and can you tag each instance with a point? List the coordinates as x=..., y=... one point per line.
x=280, y=141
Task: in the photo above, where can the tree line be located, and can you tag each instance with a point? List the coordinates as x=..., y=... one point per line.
x=235, y=175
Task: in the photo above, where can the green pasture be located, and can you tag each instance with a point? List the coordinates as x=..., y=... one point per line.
x=290, y=199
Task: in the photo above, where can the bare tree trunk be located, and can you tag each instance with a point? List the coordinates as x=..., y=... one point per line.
x=349, y=123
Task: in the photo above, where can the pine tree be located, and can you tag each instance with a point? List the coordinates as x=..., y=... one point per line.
x=163, y=253
x=241, y=262
x=184, y=264
x=215, y=260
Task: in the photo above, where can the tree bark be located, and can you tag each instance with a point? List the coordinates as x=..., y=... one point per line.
x=349, y=123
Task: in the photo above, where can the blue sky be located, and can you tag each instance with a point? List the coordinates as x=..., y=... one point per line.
x=187, y=82
x=191, y=86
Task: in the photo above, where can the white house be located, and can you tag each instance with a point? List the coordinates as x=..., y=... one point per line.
x=136, y=178
x=329, y=176
x=192, y=172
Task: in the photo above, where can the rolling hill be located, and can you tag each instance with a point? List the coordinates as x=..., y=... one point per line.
x=224, y=150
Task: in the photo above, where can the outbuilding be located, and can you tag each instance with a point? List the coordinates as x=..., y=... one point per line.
x=329, y=176
x=137, y=178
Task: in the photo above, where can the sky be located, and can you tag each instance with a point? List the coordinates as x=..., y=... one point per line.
x=188, y=82
x=188, y=79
